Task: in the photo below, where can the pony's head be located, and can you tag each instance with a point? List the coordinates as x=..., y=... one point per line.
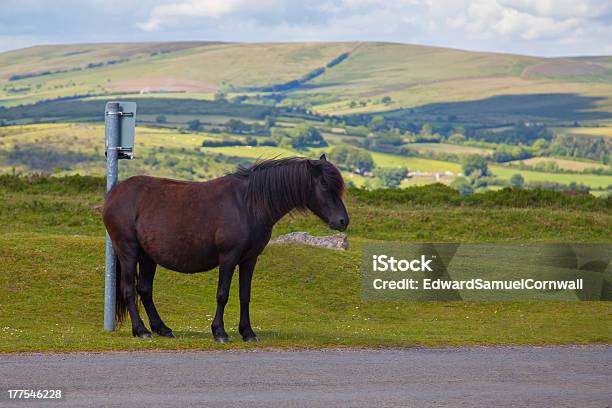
x=325, y=201
x=276, y=187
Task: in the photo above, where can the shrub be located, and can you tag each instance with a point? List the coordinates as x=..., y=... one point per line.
x=463, y=186
x=222, y=143
x=268, y=142
x=456, y=138
x=352, y=159
x=517, y=181
x=306, y=136
x=442, y=195
x=250, y=141
x=391, y=177
x=194, y=125
x=44, y=184
x=475, y=166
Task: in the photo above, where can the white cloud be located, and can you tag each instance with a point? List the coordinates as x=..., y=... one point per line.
x=489, y=18
x=529, y=27
x=560, y=8
x=261, y=11
x=543, y=27
x=557, y=21
x=193, y=8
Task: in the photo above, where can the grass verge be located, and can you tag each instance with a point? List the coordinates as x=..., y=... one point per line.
x=52, y=262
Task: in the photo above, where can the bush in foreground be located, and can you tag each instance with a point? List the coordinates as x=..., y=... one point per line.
x=428, y=195
x=442, y=195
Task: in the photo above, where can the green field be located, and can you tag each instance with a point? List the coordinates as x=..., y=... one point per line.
x=77, y=149
x=564, y=164
x=592, y=180
x=51, y=282
x=448, y=148
x=604, y=131
x=414, y=163
x=257, y=152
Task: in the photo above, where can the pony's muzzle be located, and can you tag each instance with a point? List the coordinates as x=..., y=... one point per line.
x=340, y=224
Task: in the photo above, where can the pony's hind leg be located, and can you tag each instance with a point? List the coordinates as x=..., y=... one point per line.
x=145, y=290
x=128, y=279
x=227, y=265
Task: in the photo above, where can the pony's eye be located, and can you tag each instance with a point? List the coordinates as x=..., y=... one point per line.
x=323, y=183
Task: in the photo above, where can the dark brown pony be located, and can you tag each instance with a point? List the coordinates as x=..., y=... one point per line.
x=193, y=227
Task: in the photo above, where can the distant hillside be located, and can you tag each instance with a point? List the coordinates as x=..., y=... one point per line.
x=331, y=78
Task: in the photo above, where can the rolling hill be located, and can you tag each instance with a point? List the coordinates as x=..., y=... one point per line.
x=330, y=78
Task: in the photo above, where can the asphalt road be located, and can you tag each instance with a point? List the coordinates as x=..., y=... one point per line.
x=450, y=377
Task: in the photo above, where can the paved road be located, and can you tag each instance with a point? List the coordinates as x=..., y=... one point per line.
x=453, y=377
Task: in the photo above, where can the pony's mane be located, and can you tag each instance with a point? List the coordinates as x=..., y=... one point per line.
x=277, y=186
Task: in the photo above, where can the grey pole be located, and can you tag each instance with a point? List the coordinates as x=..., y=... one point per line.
x=112, y=121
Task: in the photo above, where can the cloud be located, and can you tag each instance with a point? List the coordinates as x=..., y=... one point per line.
x=543, y=27
x=491, y=18
x=558, y=21
x=262, y=12
x=194, y=8
x=560, y=8
x=529, y=27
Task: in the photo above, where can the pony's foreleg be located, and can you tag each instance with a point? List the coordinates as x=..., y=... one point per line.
x=145, y=290
x=226, y=271
x=246, y=274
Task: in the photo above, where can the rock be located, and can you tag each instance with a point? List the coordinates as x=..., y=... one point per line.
x=337, y=241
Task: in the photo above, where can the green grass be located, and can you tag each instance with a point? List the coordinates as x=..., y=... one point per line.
x=447, y=148
x=605, y=131
x=414, y=163
x=592, y=180
x=257, y=152
x=51, y=281
x=564, y=164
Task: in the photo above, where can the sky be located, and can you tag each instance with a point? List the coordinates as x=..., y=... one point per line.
x=539, y=27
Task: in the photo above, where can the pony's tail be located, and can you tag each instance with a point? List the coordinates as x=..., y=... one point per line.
x=121, y=306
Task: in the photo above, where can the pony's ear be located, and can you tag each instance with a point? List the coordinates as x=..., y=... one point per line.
x=323, y=157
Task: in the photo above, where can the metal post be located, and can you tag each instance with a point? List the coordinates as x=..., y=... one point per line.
x=113, y=125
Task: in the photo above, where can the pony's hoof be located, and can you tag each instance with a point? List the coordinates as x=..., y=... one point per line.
x=251, y=339
x=167, y=334
x=222, y=340
x=142, y=333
